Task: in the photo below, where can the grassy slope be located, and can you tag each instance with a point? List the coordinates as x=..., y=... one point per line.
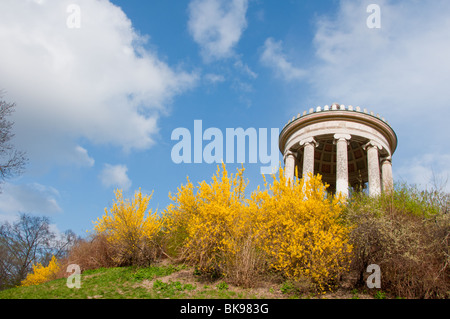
x=128, y=283
x=157, y=282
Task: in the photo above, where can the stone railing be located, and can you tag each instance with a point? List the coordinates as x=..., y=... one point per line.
x=335, y=107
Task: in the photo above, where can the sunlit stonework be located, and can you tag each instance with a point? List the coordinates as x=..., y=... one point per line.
x=351, y=148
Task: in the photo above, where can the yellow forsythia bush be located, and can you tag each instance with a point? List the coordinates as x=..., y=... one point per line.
x=204, y=227
x=130, y=229
x=292, y=227
x=299, y=227
x=296, y=226
x=42, y=274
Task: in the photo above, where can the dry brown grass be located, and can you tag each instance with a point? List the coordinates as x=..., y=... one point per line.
x=247, y=267
x=90, y=253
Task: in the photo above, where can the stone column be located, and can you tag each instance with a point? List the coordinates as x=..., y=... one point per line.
x=342, y=141
x=308, y=156
x=373, y=164
x=289, y=165
x=386, y=174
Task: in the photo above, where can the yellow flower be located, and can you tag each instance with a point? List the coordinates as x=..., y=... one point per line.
x=297, y=226
x=42, y=274
x=128, y=225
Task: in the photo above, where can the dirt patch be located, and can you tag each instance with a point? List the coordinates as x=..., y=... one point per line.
x=263, y=290
x=184, y=276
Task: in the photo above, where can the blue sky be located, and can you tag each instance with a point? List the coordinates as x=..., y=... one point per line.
x=97, y=102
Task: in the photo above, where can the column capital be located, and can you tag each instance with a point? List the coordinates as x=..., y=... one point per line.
x=309, y=140
x=342, y=136
x=289, y=153
x=372, y=144
x=386, y=159
x=339, y=137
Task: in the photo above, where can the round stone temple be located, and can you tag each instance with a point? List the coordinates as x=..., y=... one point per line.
x=349, y=147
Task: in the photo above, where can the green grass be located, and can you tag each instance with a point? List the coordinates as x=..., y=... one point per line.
x=109, y=283
x=150, y=283
x=172, y=289
x=126, y=283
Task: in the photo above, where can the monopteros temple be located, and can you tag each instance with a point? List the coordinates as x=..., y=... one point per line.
x=349, y=147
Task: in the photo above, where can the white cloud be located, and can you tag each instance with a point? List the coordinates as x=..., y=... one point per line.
x=214, y=78
x=274, y=58
x=97, y=82
x=115, y=176
x=81, y=156
x=245, y=69
x=401, y=69
x=427, y=171
x=78, y=156
x=217, y=26
x=29, y=198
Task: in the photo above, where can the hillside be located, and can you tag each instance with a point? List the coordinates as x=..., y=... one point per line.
x=288, y=241
x=163, y=281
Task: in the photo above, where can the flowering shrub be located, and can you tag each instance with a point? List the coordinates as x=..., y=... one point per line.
x=299, y=227
x=207, y=226
x=294, y=227
x=42, y=274
x=130, y=229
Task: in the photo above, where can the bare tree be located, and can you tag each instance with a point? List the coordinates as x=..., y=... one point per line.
x=26, y=242
x=12, y=161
